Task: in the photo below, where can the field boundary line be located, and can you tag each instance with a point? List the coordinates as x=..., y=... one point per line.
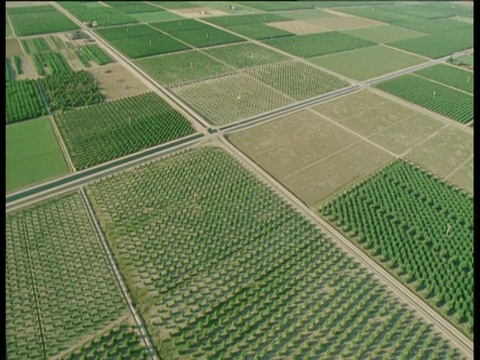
x=443, y=84
x=458, y=167
x=137, y=317
x=401, y=292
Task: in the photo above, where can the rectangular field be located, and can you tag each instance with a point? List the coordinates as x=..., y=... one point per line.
x=127, y=31
x=155, y=16
x=32, y=153
x=384, y=33
x=339, y=23
x=187, y=66
x=357, y=64
x=34, y=23
x=58, y=277
x=298, y=27
x=433, y=96
x=311, y=45
x=296, y=79
x=411, y=222
x=204, y=37
x=217, y=273
x=104, y=15
x=227, y=21
x=23, y=101
x=107, y=131
x=259, y=31
x=449, y=75
x=230, y=98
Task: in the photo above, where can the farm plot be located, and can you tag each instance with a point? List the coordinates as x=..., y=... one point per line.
x=64, y=91
x=259, y=31
x=41, y=23
x=180, y=25
x=57, y=272
x=188, y=66
x=206, y=36
x=463, y=176
x=307, y=14
x=136, y=7
x=155, y=16
x=218, y=273
x=228, y=7
x=438, y=45
x=384, y=33
x=231, y=98
x=32, y=153
x=310, y=155
x=53, y=61
x=298, y=27
x=433, y=96
x=227, y=21
x=200, y=12
x=465, y=61
x=96, y=54
x=246, y=55
x=12, y=47
x=279, y=5
x=296, y=79
x=343, y=22
x=173, y=5
x=449, y=75
x=22, y=101
x=318, y=44
x=357, y=64
x=104, y=132
x=128, y=31
x=411, y=222
x=104, y=16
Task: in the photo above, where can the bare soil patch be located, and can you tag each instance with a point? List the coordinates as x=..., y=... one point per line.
x=13, y=47
x=116, y=82
x=298, y=27
x=200, y=12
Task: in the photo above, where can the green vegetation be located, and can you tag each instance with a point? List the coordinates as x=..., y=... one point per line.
x=53, y=60
x=176, y=69
x=40, y=44
x=174, y=4
x=180, y=25
x=432, y=96
x=296, y=79
x=155, y=16
x=357, y=64
x=25, y=46
x=22, y=101
x=449, y=75
x=121, y=342
x=32, y=153
x=206, y=37
x=421, y=228
x=103, y=15
x=124, y=32
x=58, y=277
x=384, y=33
x=39, y=20
x=227, y=21
x=8, y=70
x=318, y=44
x=133, y=7
x=66, y=90
x=94, y=53
x=221, y=266
x=280, y=5
x=464, y=60
x=246, y=55
x=8, y=29
x=259, y=31
x=104, y=132
x=18, y=64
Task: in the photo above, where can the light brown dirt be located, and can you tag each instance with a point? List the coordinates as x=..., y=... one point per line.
x=199, y=12
x=298, y=27
x=13, y=47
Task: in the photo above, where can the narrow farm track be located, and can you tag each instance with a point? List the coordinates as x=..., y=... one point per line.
x=428, y=314
x=137, y=317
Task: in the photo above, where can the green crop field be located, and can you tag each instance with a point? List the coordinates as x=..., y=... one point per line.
x=384, y=33
x=137, y=7
x=307, y=14
x=32, y=153
x=155, y=16
x=259, y=31
x=180, y=25
x=104, y=132
x=438, y=45
x=246, y=55
x=464, y=61
x=230, y=98
x=104, y=16
x=218, y=274
x=318, y=44
x=57, y=278
x=296, y=79
x=357, y=64
x=279, y=5
x=174, y=4
x=449, y=75
x=96, y=54
x=39, y=20
x=126, y=32
x=53, y=60
x=204, y=37
x=432, y=96
x=148, y=45
x=412, y=222
x=176, y=69
x=22, y=101
x=228, y=21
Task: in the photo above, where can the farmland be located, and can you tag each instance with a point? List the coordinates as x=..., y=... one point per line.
x=56, y=274
x=449, y=75
x=96, y=54
x=296, y=79
x=23, y=101
x=415, y=211
x=432, y=96
x=259, y=31
x=104, y=132
x=384, y=33
x=105, y=16
x=32, y=153
x=230, y=98
x=176, y=69
x=53, y=61
x=318, y=44
x=228, y=21
x=216, y=280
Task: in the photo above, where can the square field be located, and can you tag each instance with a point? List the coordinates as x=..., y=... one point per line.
x=357, y=64
x=231, y=98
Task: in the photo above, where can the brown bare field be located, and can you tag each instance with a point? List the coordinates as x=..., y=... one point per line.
x=298, y=27
x=116, y=82
x=310, y=155
x=25, y=3
x=13, y=47
x=199, y=12
x=343, y=22
x=463, y=176
x=29, y=71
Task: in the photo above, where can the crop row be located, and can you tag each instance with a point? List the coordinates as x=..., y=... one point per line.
x=318, y=44
x=40, y=44
x=222, y=268
x=259, y=31
x=54, y=257
x=432, y=96
x=128, y=31
x=104, y=132
x=66, y=90
x=21, y=10
x=227, y=21
x=95, y=53
x=22, y=101
x=57, y=42
x=54, y=61
x=41, y=23
x=420, y=227
x=104, y=16
x=135, y=7
x=8, y=69
x=449, y=75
